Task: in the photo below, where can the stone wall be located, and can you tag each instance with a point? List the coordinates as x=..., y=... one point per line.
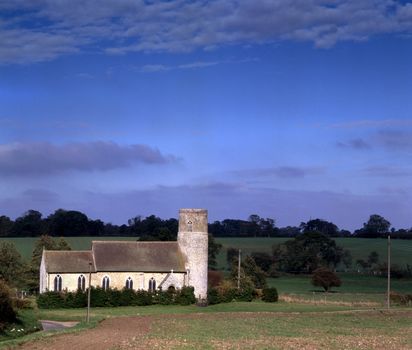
x=193, y=241
x=117, y=280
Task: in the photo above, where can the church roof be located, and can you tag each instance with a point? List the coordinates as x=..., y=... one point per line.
x=118, y=256
x=135, y=256
x=66, y=261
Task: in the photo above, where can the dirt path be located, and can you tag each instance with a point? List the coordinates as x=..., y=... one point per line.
x=137, y=332
x=111, y=333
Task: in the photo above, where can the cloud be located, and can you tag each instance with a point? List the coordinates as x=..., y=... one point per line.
x=44, y=29
x=150, y=68
x=27, y=159
x=373, y=123
x=398, y=140
x=40, y=195
x=387, y=171
x=357, y=144
x=284, y=172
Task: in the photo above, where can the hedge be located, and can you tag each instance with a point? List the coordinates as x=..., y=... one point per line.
x=270, y=295
x=226, y=294
x=113, y=298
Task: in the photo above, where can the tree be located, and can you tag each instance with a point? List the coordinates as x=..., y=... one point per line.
x=67, y=223
x=11, y=264
x=62, y=244
x=325, y=278
x=7, y=313
x=263, y=260
x=377, y=226
x=373, y=258
x=213, y=251
x=30, y=224
x=231, y=255
x=319, y=225
x=308, y=251
x=6, y=226
x=250, y=271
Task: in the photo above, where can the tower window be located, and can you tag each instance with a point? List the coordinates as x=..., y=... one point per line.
x=81, y=283
x=58, y=283
x=152, y=285
x=129, y=283
x=106, y=282
x=189, y=226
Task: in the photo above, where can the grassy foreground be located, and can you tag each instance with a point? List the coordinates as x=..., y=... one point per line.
x=254, y=325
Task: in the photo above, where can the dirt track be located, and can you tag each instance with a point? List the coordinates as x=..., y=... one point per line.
x=148, y=332
x=111, y=333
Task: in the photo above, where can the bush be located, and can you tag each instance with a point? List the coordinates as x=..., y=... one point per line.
x=143, y=298
x=244, y=294
x=270, y=295
x=7, y=313
x=185, y=296
x=164, y=297
x=214, y=278
x=400, y=299
x=50, y=300
x=113, y=297
x=323, y=277
x=19, y=303
x=213, y=296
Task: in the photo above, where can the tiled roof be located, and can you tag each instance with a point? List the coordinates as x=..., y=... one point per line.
x=66, y=261
x=137, y=256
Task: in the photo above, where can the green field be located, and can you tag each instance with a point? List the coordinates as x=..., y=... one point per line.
x=359, y=247
x=254, y=325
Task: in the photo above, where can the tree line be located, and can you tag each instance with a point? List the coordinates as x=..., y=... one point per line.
x=66, y=223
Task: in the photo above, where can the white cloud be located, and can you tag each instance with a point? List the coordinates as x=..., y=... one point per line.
x=45, y=29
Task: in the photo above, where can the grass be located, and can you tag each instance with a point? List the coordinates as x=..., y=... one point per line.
x=331, y=331
x=351, y=283
x=252, y=324
x=359, y=247
x=30, y=317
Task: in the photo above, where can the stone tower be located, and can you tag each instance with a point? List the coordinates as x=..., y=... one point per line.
x=193, y=241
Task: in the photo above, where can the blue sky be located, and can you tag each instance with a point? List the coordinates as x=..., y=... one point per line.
x=288, y=109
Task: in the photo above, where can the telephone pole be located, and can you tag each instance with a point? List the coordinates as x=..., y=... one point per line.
x=238, y=271
x=388, y=301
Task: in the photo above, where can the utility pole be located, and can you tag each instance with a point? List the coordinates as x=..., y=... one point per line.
x=388, y=301
x=238, y=271
x=88, y=293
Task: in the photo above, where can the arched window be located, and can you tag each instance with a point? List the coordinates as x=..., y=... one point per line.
x=171, y=288
x=106, y=282
x=189, y=226
x=58, y=283
x=81, y=283
x=129, y=283
x=152, y=285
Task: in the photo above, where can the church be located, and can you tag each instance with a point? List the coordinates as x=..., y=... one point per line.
x=134, y=264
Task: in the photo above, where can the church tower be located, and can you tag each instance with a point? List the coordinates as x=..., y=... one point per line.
x=193, y=241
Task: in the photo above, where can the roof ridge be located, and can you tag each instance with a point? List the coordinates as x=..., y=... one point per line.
x=134, y=242
x=68, y=251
